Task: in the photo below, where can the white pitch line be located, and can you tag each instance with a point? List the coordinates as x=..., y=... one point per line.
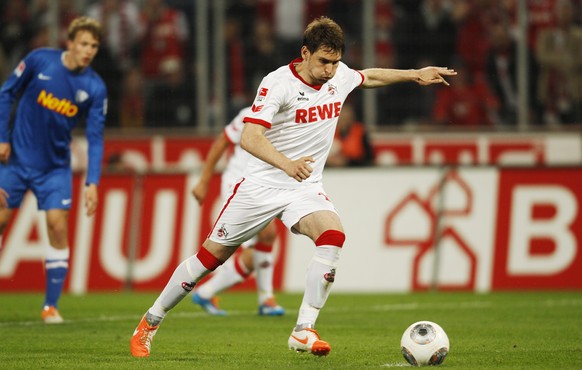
x=469, y=305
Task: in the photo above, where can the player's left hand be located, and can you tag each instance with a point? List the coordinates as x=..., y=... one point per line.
x=3, y=199
x=5, y=150
x=91, y=199
x=434, y=75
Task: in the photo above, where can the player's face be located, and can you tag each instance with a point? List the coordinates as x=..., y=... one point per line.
x=82, y=49
x=321, y=65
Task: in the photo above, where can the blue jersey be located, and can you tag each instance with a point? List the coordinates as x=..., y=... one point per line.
x=52, y=100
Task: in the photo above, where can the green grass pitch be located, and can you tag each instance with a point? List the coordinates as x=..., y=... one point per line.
x=513, y=330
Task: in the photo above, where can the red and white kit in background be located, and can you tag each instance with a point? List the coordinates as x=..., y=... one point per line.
x=301, y=120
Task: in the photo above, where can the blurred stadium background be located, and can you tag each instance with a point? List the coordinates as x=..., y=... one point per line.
x=473, y=187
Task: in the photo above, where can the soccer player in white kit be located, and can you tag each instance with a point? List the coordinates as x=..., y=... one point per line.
x=257, y=252
x=289, y=132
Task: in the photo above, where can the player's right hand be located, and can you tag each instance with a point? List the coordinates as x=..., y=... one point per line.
x=3, y=199
x=199, y=192
x=300, y=169
x=5, y=149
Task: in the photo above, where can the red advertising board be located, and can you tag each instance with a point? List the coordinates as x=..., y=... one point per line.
x=539, y=230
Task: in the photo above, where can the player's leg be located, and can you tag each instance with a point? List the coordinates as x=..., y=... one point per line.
x=263, y=262
x=325, y=229
x=313, y=215
x=182, y=281
x=232, y=272
x=53, y=191
x=14, y=183
x=5, y=217
x=56, y=263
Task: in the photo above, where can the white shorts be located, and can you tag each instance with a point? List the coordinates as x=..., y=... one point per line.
x=250, y=207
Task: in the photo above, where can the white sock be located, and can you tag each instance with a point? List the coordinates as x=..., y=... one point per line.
x=223, y=279
x=264, y=266
x=186, y=275
x=320, y=277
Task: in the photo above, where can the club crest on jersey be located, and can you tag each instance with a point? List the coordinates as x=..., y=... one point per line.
x=81, y=96
x=331, y=89
x=222, y=233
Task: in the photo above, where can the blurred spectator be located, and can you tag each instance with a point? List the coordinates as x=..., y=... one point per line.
x=235, y=65
x=466, y=103
x=540, y=15
x=39, y=10
x=351, y=146
x=165, y=37
x=472, y=41
x=171, y=102
x=559, y=52
x=132, y=105
x=261, y=55
x=121, y=28
x=502, y=72
x=15, y=30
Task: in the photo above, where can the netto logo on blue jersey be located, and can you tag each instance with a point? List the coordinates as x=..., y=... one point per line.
x=61, y=106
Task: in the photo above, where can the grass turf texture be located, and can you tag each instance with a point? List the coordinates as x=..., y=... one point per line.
x=517, y=330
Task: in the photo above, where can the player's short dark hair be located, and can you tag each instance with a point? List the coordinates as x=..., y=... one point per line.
x=85, y=24
x=324, y=33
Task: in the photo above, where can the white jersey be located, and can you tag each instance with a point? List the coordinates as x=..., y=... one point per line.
x=240, y=158
x=300, y=118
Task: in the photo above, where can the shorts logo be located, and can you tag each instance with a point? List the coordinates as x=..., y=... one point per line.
x=222, y=233
x=187, y=286
x=66, y=202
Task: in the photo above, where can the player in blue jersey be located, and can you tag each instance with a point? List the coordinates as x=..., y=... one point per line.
x=56, y=89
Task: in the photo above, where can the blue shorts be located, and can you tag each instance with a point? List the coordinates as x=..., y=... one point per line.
x=53, y=188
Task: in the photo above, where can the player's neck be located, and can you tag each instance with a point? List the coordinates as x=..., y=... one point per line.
x=302, y=72
x=69, y=62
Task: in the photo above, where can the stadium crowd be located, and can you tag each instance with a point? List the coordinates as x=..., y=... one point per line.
x=148, y=57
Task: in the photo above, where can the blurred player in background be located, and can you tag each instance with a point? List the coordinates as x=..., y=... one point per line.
x=257, y=252
x=289, y=132
x=56, y=88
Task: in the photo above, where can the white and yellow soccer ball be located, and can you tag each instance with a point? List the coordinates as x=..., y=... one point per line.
x=424, y=343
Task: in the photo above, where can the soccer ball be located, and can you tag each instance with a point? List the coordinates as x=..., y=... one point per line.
x=424, y=343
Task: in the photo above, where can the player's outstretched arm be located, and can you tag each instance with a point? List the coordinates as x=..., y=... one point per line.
x=219, y=146
x=378, y=77
x=253, y=140
x=91, y=199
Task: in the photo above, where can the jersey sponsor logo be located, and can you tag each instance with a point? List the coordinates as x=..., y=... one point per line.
x=19, y=70
x=318, y=113
x=44, y=77
x=257, y=108
x=61, y=106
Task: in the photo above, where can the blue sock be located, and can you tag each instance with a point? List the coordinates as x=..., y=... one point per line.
x=56, y=268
